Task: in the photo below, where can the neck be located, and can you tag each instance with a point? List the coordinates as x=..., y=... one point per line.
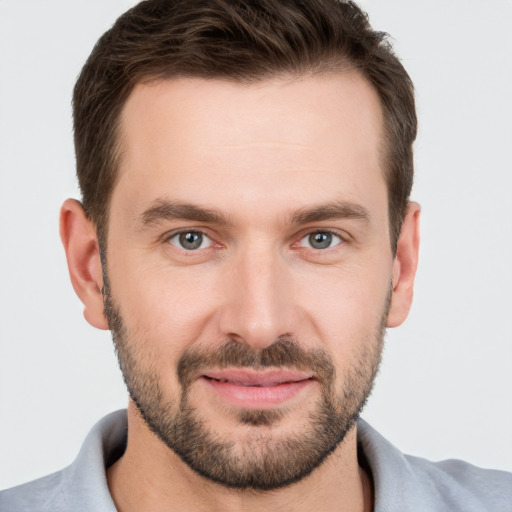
x=151, y=477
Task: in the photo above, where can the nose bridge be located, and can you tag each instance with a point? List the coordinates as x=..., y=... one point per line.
x=259, y=306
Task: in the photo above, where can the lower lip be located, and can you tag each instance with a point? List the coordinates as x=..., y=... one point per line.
x=256, y=397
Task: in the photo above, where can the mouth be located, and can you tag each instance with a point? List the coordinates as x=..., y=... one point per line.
x=252, y=389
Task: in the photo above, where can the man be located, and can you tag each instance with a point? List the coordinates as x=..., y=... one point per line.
x=247, y=236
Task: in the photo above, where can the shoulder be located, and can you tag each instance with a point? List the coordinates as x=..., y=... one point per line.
x=403, y=482
x=82, y=486
x=43, y=494
x=458, y=484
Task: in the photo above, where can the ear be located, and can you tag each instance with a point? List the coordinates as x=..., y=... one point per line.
x=404, y=266
x=80, y=242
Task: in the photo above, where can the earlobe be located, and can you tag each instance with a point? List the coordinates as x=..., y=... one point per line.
x=80, y=242
x=404, y=267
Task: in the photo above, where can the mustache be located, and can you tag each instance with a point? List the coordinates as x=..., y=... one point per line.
x=283, y=352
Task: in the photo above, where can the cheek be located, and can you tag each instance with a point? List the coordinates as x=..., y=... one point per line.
x=164, y=306
x=345, y=306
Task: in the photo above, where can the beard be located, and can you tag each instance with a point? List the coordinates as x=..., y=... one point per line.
x=262, y=461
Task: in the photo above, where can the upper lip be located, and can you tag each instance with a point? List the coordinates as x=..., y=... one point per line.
x=251, y=377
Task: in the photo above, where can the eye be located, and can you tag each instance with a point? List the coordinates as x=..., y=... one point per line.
x=320, y=240
x=190, y=240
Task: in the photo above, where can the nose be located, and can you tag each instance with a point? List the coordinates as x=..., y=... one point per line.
x=259, y=304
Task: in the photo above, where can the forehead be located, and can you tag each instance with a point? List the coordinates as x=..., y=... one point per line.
x=282, y=139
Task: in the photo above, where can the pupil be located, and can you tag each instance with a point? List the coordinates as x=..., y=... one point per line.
x=190, y=240
x=320, y=240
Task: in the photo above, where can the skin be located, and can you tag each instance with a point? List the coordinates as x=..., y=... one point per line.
x=256, y=155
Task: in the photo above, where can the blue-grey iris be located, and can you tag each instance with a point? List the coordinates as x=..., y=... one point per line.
x=320, y=240
x=191, y=240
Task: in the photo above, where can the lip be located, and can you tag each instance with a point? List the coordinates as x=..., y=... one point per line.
x=252, y=389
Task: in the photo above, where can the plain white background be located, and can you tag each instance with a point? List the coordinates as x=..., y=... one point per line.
x=445, y=385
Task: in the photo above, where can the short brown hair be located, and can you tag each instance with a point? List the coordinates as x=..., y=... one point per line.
x=242, y=41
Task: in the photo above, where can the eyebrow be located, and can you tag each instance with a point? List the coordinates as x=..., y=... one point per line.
x=162, y=210
x=329, y=211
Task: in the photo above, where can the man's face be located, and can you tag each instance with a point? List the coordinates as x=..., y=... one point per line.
x=249, y=268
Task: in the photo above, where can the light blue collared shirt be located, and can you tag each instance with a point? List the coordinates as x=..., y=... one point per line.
x=402, y=483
